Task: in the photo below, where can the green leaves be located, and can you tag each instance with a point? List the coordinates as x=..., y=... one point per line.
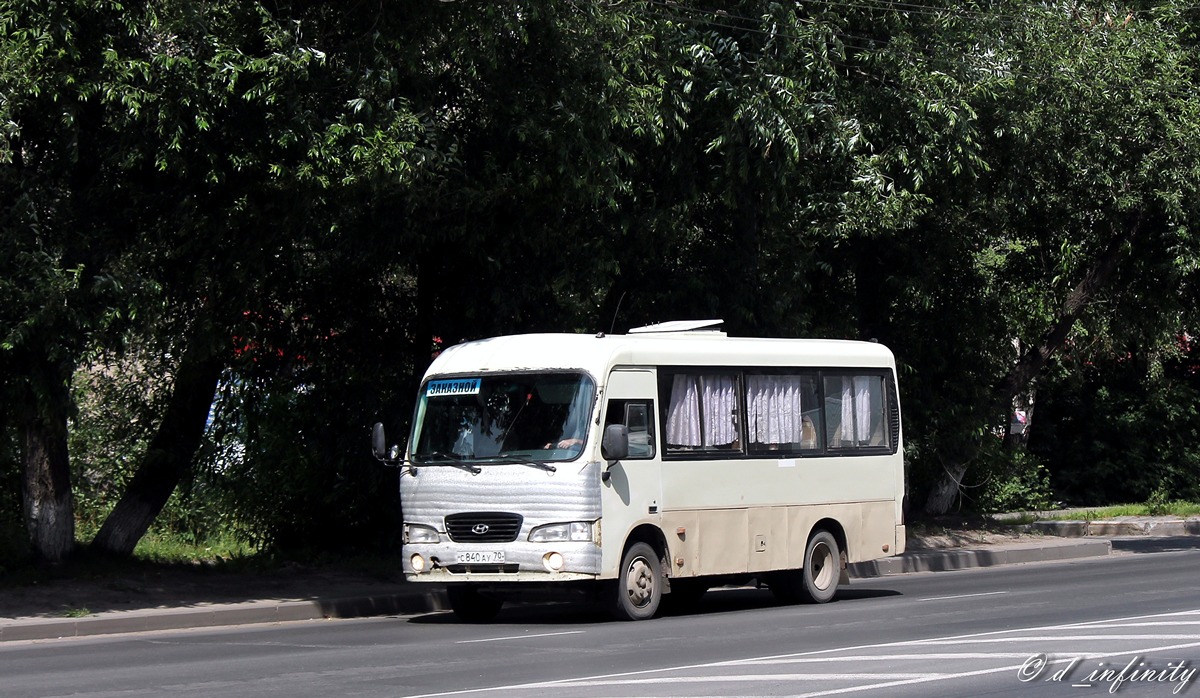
x=944, y=178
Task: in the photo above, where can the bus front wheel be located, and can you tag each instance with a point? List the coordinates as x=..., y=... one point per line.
x=638, y=590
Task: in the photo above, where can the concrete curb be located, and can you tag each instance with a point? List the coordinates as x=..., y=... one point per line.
x=961, y=559
x=218, y=615
x=1133, y=526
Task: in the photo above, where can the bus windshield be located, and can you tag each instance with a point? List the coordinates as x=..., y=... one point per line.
x=502, y=418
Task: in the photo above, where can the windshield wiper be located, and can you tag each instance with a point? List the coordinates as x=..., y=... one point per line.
x=455, y=460
x=503, y=460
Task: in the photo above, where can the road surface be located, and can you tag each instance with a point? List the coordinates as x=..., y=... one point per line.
x=1128, y=624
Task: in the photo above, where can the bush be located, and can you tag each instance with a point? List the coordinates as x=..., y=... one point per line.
x=1120, y=431
x=1016, y=481
x=1159, y=502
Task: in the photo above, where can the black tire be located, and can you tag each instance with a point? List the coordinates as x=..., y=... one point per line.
x=470, y=606
x=822, y=568
x=817, y=581
x=638, y=589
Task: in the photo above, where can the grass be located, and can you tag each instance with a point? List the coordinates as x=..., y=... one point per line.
x=164, y=553
x=1000, y=522
x=1176, y=508
x=154, y=551
x=176, y=549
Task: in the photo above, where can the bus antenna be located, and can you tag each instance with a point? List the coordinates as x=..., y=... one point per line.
x=613, y=326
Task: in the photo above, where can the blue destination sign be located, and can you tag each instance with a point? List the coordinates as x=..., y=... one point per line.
x=461, y=386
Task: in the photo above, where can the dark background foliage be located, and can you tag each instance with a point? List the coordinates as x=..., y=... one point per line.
x=234, y=233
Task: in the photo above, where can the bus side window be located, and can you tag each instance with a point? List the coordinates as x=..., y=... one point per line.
x=782, y=412
x=636, y=416
x=854, y=412
x=702, y=411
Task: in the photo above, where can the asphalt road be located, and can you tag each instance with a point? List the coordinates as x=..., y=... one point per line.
x=1126, y=624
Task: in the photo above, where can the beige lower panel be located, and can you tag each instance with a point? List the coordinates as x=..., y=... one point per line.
x=734, y=541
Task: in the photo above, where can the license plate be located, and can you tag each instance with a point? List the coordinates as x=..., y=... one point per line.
x=489, y=557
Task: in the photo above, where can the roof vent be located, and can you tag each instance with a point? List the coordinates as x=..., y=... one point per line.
x=680, y=326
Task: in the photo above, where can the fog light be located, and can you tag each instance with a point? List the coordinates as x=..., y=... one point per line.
x=553, y=561
x=418, y=563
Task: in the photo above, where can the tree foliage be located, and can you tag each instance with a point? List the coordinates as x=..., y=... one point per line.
x=280, y=209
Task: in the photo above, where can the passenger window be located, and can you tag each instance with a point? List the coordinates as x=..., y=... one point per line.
x=702, y=412
x=854, y=410
x=637, y=416
x=782, y=413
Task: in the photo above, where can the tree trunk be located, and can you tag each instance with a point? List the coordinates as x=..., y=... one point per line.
x=1018, y=380
x=48, y=502
x=169, y=456
x=945, y=492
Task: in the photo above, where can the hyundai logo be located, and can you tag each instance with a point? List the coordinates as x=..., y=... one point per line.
x=479, y=529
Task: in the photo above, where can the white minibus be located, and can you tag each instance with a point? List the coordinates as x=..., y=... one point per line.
x=649, y=467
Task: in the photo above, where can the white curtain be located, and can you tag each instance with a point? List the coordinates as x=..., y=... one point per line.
x=717, y=398
x=774, y=409
x=720, y=403
x=856, y=409
x=683, y=415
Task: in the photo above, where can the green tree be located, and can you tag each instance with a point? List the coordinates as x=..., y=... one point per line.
x=1092, y=174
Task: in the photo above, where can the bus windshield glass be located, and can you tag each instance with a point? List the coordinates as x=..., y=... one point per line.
x=502, y=418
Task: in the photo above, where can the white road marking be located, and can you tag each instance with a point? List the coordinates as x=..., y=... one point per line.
x=892, y=680
x=963, y=596
x=1054, y=638
x=518, y=637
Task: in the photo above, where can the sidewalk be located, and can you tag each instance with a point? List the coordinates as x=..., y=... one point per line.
x=322, y=596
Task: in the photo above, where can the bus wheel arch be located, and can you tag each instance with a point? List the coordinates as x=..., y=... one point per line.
x=839, y=535
x=637, y=592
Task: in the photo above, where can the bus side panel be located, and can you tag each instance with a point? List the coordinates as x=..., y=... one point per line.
x=682, y=529
x=762, y=539
x=722, y=541
x=768, y=539
x=879, y=529
x=756, y=482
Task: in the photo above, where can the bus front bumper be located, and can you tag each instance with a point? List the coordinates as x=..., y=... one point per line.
x=517, y=562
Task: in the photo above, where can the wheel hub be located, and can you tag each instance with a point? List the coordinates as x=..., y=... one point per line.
x=639, y=583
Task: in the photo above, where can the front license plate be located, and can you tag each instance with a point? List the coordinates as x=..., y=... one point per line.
x=488, y=557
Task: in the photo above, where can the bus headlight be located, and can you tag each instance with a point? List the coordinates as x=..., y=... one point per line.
x=577, y=531
x=416, y=533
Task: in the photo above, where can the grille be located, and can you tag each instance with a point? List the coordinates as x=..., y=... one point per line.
x=483, y=527
x=894, y=416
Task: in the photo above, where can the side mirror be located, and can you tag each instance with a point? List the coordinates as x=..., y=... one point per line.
x=379, y=442
x=615, y=444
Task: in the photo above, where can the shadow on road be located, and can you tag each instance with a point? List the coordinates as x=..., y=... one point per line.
x=722, y=600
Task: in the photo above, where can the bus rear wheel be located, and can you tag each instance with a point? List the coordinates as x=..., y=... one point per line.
x=471, y=606
x=817, y=581
x=638, y=591
x=822, y=562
